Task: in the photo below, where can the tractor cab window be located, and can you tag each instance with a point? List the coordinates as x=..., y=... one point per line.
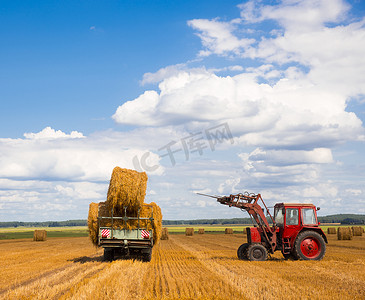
x=279, y=217
x=309, y=217
x=292, y=216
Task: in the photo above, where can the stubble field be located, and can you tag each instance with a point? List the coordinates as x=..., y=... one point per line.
x=197, y=267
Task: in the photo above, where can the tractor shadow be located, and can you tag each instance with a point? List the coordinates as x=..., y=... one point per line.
x=86, y=259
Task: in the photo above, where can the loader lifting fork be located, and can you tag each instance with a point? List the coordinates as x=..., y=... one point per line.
x=295, y=230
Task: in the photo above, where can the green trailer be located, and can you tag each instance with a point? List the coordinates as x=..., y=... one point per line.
x=123, y=242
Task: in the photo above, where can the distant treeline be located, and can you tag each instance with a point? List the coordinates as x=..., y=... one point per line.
x=208, y=221
x=45, y=224
x=341, y=218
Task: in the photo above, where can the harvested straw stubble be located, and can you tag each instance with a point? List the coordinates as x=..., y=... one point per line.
x=189, y=231
x=356, y=230
x=165, y=234
x=126, y=188
x=344, y=233
x=201, y=231
x=331, y=230
x=39, y=235
x=228, y=231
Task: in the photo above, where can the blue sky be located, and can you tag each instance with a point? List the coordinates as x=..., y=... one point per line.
x=89, y=85
x=78, y=60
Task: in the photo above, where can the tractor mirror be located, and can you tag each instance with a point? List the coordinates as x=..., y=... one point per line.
x=318, y=208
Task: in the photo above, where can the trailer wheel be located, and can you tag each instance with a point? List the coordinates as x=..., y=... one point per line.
x=256, y=252
x=242, y=251
x=108, y=254
x=147, y=257
x=309, y=245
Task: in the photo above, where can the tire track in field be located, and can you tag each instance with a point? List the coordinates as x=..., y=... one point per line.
x=239, y=274
x=291, y=277
x=53, y=278
x=30, y=281
x=176, y=273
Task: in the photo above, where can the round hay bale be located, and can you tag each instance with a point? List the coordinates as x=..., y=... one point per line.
x=331, y=230
x=39, y=235
x=92, y=222
x=146, y=212
x=356, y=230
x=228, y=231
x=165, y=233
x=363, y=229
x=189, y=231
x=344, y=233
x=201, y=231
x=126, y=188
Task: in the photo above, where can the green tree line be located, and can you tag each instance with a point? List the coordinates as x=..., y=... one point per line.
x=340, y=218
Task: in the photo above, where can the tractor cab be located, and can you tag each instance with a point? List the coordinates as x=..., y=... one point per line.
x=294, y=220
x=295, y=214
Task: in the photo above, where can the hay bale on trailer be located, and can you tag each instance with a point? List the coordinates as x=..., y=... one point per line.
x=356, y=230
x=39, y=235
x=331, y=230
x=126, y=188
x=189, y=231
x=92, y=222
x=146, y=212
x=201, y=231
x=228, y=231
x=165, y=234
x=344, y=233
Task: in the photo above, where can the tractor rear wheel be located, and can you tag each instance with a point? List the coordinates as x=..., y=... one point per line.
x=242, y=251
x=309, y=245
x=256, y=252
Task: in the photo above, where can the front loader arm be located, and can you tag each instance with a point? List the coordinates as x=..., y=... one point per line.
x=250, y=204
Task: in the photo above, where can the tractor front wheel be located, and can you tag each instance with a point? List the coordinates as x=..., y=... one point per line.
x=256, y=252
x=309, y=245
x=242, y=251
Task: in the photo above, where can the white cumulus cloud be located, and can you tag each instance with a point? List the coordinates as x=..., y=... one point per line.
x=50, y=133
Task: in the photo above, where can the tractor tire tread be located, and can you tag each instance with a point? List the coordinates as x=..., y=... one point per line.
x=250, y=252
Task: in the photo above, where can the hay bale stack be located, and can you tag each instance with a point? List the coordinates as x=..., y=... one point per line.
x=39, y=235
x=331, y=230
x=165, y=234
x=126, y=188
x=146, y=212
x=92, y=222
x=201, y=231
x=344, y=233
x=189, y=231
x=356, y=230
x=228, y=231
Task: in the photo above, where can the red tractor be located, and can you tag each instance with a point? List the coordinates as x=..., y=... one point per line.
x=295, y=230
